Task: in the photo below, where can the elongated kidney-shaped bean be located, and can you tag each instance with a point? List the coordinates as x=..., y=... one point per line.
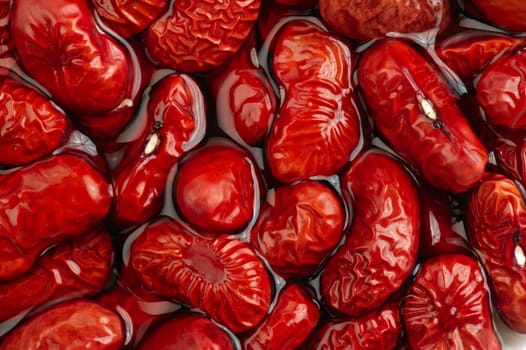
x=175, y=122
x=496, y=225
x=221, y=275
x=382, y=245
x=318, y=126
x=76, y=268
x=77, y=324
x=447, y=306
x=413, y=108
x=61, y=47
x=59, y=197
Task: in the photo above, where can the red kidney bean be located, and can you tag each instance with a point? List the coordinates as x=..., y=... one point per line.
x=496, y=222
x=220, y=275
x=381, y=247
x=44, y=203
x=447, y=306
x=415, y=111
x=175, y=122
x=318, y=127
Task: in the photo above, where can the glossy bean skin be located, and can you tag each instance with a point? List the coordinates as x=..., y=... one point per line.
x=59, y=45
x=500, y=93
x=140, y=309
x=175, y=122
x=508, y=14
x=414, y=109
x=510, y=157
x=298, y=227
x=447, y=306
x=381, y=246
x=288, y=324
x=31, y=126
x=468, y=53
x=441, y=230
x=75, y=268
x=129, y=18
x=244, y=99
x=72, y=325
x=496, y=221
x=40, y=211
x=379, y=329
x=197, y=36
x=369, y=20
x=220, y=275
x=318, y=127
x=187, y=331
x=217, y=201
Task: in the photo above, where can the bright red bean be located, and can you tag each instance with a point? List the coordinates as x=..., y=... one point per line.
x=31, y=126
x=61, y=47
x=176, y=121
x=129, y=18
x=44, y=203
x=196, y=36
x=187, y=331
x=379, y=329
x=288, y=324
x=381, y=247
x=298, y=227
x=74, y=268
x=496, y=226
x=73, y=325
x=509, y=14
x=318, y=127
x=447, y=306
x=220, y=275
x=216, y=187
x=415, y=111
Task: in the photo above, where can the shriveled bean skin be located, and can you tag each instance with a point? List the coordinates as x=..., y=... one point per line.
x=365, y=20
x=197, y=36
x=496, y=227
x=59, y=45
x=73, y=325
x=381, y=246
x=218, y=274
x=318, y=127
x=76, y=268
x=31, y=126
x=379, y=329
x=298, y=227
x=415, y=111
x=45, y=203
x=127, y=17
x=501, y=93
x=447, y=306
